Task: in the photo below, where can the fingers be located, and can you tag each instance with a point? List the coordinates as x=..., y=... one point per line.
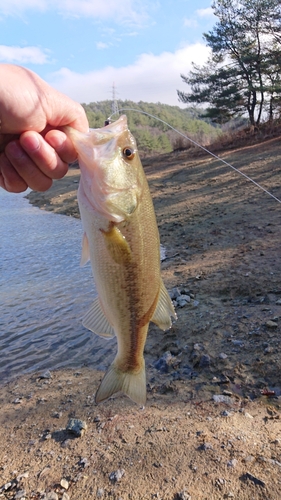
x=10, y=180
x=26, y=169
x=62, y=145
x=44, y=156
x=33, y=161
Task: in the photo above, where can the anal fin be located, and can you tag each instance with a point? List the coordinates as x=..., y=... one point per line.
x=96, y=321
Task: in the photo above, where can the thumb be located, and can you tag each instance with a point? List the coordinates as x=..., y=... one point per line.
x=61, y=110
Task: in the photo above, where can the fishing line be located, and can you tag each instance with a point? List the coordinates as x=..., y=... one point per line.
x=202, y=147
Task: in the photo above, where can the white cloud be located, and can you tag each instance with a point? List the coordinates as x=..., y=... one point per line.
x=190, y=23
x=23, y=55
x=133, y=11
x=208, y=12
x=17, y=7
x=117, y=9
x=151, y=78
x=102, y=45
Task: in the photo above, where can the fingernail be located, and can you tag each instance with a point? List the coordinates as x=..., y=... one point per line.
x=13, y=149
x=56, y=140
x=30, y=143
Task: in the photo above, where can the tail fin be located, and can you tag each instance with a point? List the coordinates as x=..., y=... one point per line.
x=131, y=384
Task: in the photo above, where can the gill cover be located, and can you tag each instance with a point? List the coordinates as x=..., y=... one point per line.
x=111, y=175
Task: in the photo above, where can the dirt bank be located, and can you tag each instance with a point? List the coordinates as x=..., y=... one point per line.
x=211, y=428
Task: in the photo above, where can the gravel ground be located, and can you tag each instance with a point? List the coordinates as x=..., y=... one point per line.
x=211, y=428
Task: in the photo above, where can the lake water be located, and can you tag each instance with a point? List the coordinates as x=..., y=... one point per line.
x=44, y=293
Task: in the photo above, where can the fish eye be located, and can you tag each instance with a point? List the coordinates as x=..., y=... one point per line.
x=128, y=153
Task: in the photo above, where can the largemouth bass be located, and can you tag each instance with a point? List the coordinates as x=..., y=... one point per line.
x=121, y=240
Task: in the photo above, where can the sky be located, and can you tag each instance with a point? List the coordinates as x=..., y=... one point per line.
x=94, y=49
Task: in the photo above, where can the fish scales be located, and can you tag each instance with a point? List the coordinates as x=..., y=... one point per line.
x=121, y=240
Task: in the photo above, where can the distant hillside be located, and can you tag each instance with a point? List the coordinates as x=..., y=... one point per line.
x=153, y=136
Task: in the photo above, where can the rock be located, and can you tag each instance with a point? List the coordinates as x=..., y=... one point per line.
x=65, y=496
x=205, y=361
x=221, y=398
x=248, y=415
x=44, y=472
x=163, y=364
x=116, y=476
x=275, y=462
x=254, y=479
x=157, y=465
x=46, y=375
x=64, y=484
x=83, y=462
x=220, y=481
x=183, y=300
x=232, y=463
x=205, y=447
x=271, y=324
x=51, y=496
x=7, y=486
x=20, y=495
x=239, y=343
x=76, y=426
x=22, y=476
x=167, y=387
x=226, y=413
x=57, y=414
x=278, y=302
x=17, y=401
x=224, y=379
x=223, y=355
x=174, y=293
x=198, y=347
x=183, y=495
x=100, y=493
x=66, y=443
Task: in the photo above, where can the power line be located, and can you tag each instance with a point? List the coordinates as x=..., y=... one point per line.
x=114, y=105
x=204, y=149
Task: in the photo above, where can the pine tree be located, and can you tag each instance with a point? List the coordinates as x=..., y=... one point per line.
x=243, y=72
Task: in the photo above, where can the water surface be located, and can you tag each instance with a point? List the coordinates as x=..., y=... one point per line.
x=44, y=292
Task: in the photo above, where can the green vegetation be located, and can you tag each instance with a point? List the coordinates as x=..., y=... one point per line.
x=243, y=74
x=153, y=136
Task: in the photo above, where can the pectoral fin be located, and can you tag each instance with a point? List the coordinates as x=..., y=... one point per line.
x=164, y=309
x=117, y=245
x=85, y=256
x=96, y=321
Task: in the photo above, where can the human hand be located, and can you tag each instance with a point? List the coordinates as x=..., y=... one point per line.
x=33, y=151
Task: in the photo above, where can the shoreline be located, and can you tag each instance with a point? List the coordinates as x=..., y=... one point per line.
x=61, y=198
x=222, y=241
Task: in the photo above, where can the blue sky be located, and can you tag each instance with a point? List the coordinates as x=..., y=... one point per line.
x=83, y=47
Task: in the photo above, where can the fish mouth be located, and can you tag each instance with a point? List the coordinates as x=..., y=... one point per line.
x=104, y=134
